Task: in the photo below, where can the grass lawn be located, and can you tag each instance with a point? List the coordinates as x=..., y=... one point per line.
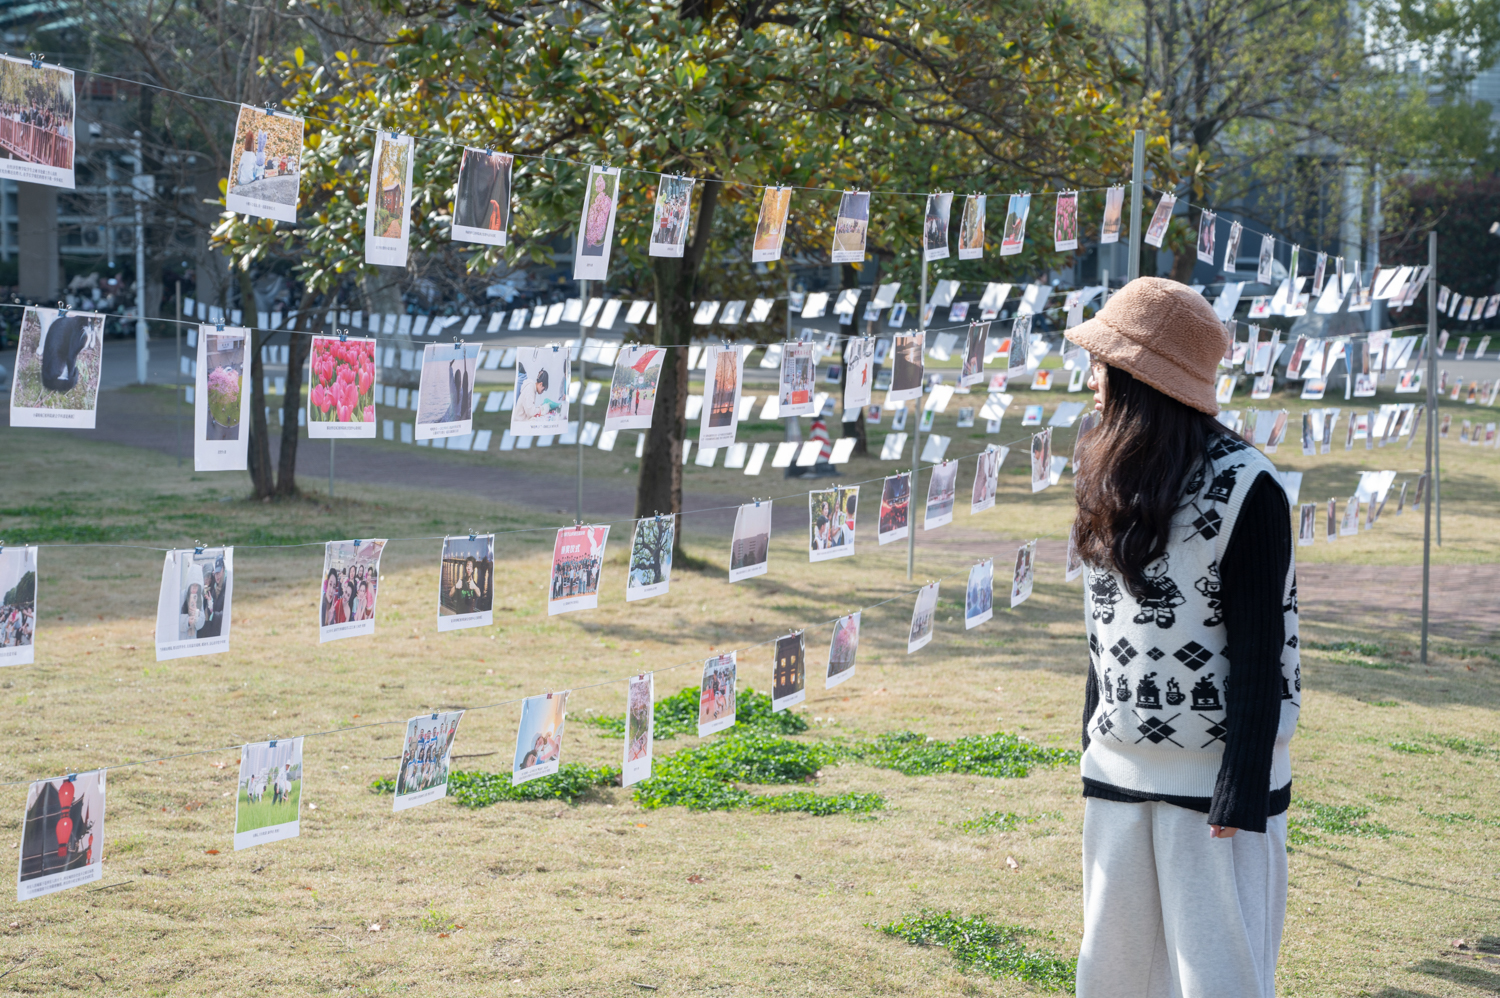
x=1395, y=820
x=267, y=812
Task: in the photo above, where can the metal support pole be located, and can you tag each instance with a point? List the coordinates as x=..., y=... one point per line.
x=583, y=368
x=1137, y=173
x=181, y=399
x=1432, y=393
x=916, y=439
x=142, y=349
x=330, y=465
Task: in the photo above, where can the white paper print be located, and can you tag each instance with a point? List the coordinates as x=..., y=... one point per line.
x=632, y=391
x=650, y=569
x=446, y=406
x=351, y=584
x=907, y=367
x=1013, y=238
x=669, y=227
x=851, y=227
x=716, y=694
x=342, y=388
x=971, y=229
x=481, y=204
x=923, y=613
x=750, y=545
x=770, y=229
x=987, y=478
x=1041, y=459
x=789, y=672
x=723, y=367
x=577, y=564
x=541, y=401
x=1025, y=574
x=859, y=360
x=388, y=208
x=194, y=603
x=798, y=378
x=268, y=795
x=1065, y=222
x=539, y=737
x=935, y=227
x=62, y=835
x=466, y=582
x=58, y=362
x=265, y=166
x=842, y=647
x=979, y=597
x=1114, y=205
x=1160, y=219
x=895, y=508
x=831, y=521
x=977, y=343
x=640, y=723
x=422, y=776
x=37, y=129
x=18, y=605
x=221, y=401
x=942, y=485
x=596, y=225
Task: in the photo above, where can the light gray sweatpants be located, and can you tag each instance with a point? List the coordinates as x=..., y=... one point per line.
x=1169, y=912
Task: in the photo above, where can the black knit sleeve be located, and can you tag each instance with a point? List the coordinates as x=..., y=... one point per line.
x=1090, y=700
x=1252, y=579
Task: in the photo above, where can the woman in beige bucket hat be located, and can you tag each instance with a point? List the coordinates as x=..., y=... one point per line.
x=1186, y=535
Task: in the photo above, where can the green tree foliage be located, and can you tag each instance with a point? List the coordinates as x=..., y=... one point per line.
x=23, y=592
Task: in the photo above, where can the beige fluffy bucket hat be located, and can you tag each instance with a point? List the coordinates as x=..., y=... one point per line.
x=1162, y=332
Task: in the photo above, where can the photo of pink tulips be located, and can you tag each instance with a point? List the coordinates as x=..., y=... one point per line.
x=342, y=382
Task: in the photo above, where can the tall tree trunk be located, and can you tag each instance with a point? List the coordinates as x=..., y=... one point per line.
x=659, y=489
x=297, y=354
x=260, y=444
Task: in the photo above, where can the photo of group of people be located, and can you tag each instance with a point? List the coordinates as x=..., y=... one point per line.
x=798, y=373
x=770, y=228
x=466, y=582
x=750, y=545
x=942, y=487
x=268, y=801
x=446, y=403
x=1020, y=586
x=539, y=738
x=59, y=359
x=987, y=478
x=851, y=227
x=351, y=583
x=266, y=164
x=831, y=516
x=481, y=205
x=979, y=598
x=895, y=503
x=341, y=388
x=640, y=705
x=388, y=204
x=577, y=561
x=17, y=605
x=632, y=391
x=906, y=371
x=935, y=227
x=716, y=694
x=62, y=835
x=923, y=613
x=650, y=557
x=193, y=608
x=37, y=114
x=842, y=647
x=789, y=672
x=541, y=405
x=669, y=228
x=221, y=406
x=596, y=226
x=425, y=756
x=721, y=404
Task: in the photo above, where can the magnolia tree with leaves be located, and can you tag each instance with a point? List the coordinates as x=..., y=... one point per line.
x=875, y=94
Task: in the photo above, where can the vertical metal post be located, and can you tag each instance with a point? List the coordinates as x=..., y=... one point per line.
x=916, y=438
x=181, y=399
x=1432, y=393
x=1137, y=174
x=583, y=302
x=330, y=465
x=142, y=349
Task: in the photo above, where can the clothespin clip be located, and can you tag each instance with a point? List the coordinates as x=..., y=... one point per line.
x=71, y=778
x=271, y=743
x=344, y=335
x=549, y=696
x=471, y=533
x=197, y=546
x=268, y=108
x=219, y=326
x=434, y=715
x=36, y=60
x=554, y=348
x=62, y=310
x=757, y=504
x=356, y=543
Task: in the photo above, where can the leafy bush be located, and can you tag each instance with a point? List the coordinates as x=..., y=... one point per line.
x=1001, y=754
x=994, y=949
x=706, y=777
x=571, y=782
x=678, y=715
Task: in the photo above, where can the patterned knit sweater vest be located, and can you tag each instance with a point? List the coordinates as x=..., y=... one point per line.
x=1161, y=661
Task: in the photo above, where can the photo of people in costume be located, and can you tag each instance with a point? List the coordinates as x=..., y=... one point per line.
x=62, y=835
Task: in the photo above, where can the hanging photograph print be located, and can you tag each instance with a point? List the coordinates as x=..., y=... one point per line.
x=1207, y=227
x=851, y=227
x=481, y=205
x=1014, y=236
x=841, y=650
x=1264, y=271
x=1307, y=524
x=266, y=164
x=895, y=503
x=1232, y=247
x=972, y=372
x=935, y=227
x=541, y=404
x=446, y=404
x=268, y=798
x=1162, y=217
x=859, y=365
x=640, y=709
x=221, y=406
x=770, y=229
x=341, y=389
x=62, y=835
x=798, y=374
x=1025, y=575
x=37, y=125
x=979, y=597
x=577, y=562
x=971, y=228
x=987, y=478
x=906, y=371
x=789, y=672
x=193, y=607
x=539, y=738
x=17, y=605
x=1073, y=560
x=58, y=362
x=351, y=582
x=1041, y=459
x=650, y=557
x=922, y=614
x=942, y=484
x=750, y=545
x=1065, y=224
x=830, y=522
x=596, y=226
x=423, y=775
x=388, y=207
x=716, y=705
x=723, y=368
x=1114, y=208
x=632, y=392
x=466, y=582
x=669, y=230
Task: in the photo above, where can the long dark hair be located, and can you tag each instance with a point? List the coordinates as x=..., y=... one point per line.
x=1132, y=474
